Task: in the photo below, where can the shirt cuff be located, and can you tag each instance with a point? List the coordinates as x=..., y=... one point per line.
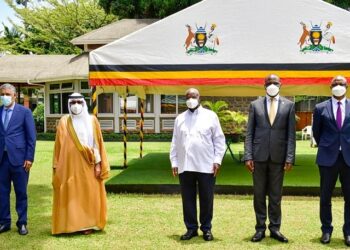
x=97, y=156
x=217, y=160
x=174, y=164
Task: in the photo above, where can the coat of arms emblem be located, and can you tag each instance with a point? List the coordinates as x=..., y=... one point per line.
x=201, y=41
x=317, y=39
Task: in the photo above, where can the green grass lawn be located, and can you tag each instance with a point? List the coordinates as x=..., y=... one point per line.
x=154, y=168
x=155, y=221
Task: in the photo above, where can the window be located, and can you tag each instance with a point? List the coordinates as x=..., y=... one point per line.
x=148, y=104
x=67, y=85
x=133, y=104
x=55, y=103
x=105, y=103
x=172, y=104
x=84, y=85
x=58, y=95
x=168, y=104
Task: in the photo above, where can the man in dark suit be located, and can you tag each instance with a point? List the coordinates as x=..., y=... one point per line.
x=17, y=146
x=331, y=129
x=269, y=152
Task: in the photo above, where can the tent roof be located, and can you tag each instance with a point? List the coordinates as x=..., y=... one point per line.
x=245, y=41
x=112, y=32
x=43, y=68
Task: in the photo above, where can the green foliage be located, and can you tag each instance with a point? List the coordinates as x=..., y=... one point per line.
x=345, y=4
x=117, y=137
x=38, y=113
x=144, y=8
x=239, y=121
x=232, y=122
x=48, y=26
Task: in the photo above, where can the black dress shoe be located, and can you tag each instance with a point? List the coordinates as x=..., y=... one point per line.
x=189, y=235
x=258, y=236
x=22, y=230
x=347, y=240
x=4, y=228
x=278, y=236
x=208, y=236
x=325, y=238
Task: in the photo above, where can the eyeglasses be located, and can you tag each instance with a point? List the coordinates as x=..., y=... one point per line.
x=74, y=102
x=338, y=83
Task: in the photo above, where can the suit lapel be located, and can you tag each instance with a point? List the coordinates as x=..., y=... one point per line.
x=347, y=111
x=1, y=123
x=13, y=117
x=330, y=113
x=264, y=102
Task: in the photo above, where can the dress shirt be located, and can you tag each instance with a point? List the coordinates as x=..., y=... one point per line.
x=198, y=141
x=342, y=108
x=268, y=103
x=9, y=114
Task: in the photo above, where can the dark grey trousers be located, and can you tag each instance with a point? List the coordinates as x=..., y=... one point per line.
x=268, y=181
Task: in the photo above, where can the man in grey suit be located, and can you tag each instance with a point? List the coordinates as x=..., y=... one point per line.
x=269, y=152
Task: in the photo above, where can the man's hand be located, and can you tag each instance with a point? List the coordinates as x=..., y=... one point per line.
x=27, y=165
x=216, y=168
x=175, y=171
x=288, y=167
x=98, y=170
x=250, y=165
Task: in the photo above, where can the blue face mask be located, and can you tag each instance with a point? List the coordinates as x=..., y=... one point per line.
x=5, y=100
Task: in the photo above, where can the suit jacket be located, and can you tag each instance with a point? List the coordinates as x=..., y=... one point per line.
x=20, y=136
x=327, y=135
x=276, y=141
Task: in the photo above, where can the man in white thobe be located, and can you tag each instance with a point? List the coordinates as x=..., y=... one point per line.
x=197, y=149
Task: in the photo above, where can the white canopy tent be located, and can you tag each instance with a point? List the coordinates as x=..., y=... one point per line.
x=225, y=48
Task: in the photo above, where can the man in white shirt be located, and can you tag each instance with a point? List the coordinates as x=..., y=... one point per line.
x=197, y=149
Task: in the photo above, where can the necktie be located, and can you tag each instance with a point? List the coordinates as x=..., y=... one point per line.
x=6, y=120
x=272, y=114
x=339, y=118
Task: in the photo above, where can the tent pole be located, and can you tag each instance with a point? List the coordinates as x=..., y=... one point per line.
x=125, y=128
x=141, y=126
x=94, y=101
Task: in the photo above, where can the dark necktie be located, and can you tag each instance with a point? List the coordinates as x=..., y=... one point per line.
x=339, y=118
x=6, y=120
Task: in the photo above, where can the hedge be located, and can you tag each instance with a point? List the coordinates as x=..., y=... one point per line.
x=115, y=137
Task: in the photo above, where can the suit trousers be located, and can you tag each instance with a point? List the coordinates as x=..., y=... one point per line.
x=268, y=180
x=19, y=177
x=189, y=182
x=329, y=177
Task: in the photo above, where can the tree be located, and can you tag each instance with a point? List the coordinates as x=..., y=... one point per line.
x=48, y=26
x=144, y=8
x=345, y=4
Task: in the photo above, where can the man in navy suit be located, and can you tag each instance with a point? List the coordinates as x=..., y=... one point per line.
x=17, y=146
x=331, y=129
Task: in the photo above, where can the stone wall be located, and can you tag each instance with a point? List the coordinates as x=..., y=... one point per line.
x=51, y=123
x=235, y=103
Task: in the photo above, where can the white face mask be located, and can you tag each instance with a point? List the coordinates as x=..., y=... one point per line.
x=192, y=103
x=6, y=100
x=76, y=108
x=272, y=90
x=338, y=90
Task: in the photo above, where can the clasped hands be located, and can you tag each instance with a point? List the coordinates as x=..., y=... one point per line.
x=249, y=164
x=216, y=169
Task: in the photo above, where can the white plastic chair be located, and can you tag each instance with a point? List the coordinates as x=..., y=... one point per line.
x=306, y=132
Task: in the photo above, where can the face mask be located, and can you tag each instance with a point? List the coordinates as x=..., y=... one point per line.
x=338, y=91
x=272, y=90
x=6, y=100
x=76, y=108
x=192, y=103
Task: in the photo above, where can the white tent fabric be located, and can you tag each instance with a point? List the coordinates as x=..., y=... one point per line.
x=306, y=42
